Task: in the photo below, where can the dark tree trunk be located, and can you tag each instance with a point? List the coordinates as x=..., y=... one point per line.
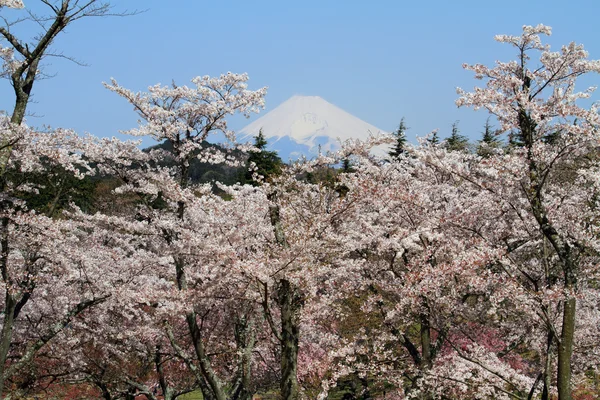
x=425, y=342
x=565, y=350
x=245, y=340
x=162, y=379
x=207, y=393
x=290, y=303
x=105, y=392
x=426, y=351
x=6, y=338
x=366, y=393
x=131, y=393
x=205, y=365
x=10, y=305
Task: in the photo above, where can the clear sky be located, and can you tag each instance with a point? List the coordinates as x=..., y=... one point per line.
x=378, y=60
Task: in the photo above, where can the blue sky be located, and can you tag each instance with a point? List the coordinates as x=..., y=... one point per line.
x=378, y=60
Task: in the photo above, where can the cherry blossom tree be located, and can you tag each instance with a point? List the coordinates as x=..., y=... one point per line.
x=53, y=269
x=400, y=241
x=463, y=289
x=504, y=245
x=297, y=214
x=194, y=227
x=543, y=191
x=306, y=259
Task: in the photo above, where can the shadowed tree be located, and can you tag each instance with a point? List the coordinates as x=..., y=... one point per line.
x=456, y=141
x=400, y=144
x=489, y=141
x=264, y=163
x=433, y=138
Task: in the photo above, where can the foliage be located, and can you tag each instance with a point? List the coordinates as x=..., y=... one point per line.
x=400, y=141
x=489, y=142
x=440, y=275
x=456, y=141
x=261, y=163
x=433, y=138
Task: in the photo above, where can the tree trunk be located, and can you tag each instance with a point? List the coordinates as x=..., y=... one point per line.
x=205, y=365
x=207, y=393
x=131, y=393
x=166, y=389
x=426, y=356
x=245, y=340
x=425, y=342
x=565, y=350
x=366, y=393
x=290, y=304
x=21, y=102
x=22, y=87
x=547, y=374
x=105, y=392
x=6, y=337
x=9, y=306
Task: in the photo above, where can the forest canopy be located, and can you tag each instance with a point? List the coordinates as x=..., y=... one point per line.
x=444, y=271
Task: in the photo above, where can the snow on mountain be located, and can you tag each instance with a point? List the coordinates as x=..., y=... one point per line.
x=308, y=121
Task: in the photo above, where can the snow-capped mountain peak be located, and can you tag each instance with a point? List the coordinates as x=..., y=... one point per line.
x=310, y=121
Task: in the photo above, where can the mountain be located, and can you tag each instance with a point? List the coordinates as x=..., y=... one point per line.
x=303, y=123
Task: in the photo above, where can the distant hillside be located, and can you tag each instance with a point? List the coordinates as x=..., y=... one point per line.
x=208, y=173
